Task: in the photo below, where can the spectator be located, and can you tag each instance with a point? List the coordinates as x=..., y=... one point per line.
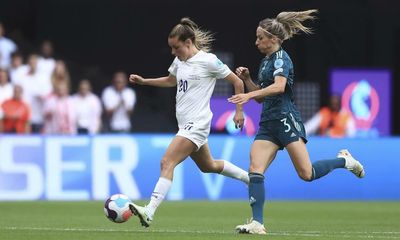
x=6, y=88
x=332, y=121
x=36, y=88
x=59, y=112
x=87, y=108
x=60, y=74
x=119, y=101
x=46, y=62
x=17, y=67
x=15, y=114
x=7, y=46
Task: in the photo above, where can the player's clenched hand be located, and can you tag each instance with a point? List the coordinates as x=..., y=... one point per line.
x=136, y=79
x=239, y=98
x=239, y=120
x=243, y=73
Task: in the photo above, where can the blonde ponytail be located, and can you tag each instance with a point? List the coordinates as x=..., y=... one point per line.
x=288, y=24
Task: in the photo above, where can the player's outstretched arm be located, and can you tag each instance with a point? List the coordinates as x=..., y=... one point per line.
x=276, y=88
x=239, y=88
x=167, y=81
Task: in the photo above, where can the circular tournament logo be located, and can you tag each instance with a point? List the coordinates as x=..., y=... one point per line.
x=278, y=63
x=225, y=121
x=362, y=101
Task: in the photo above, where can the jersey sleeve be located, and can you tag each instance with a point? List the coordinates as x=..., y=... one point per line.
x=282, y=65
x=217, y=68
x=174, y=67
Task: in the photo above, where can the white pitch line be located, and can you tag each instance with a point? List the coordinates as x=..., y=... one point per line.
x=315, y=234
x=107, y=230
x=344, y=232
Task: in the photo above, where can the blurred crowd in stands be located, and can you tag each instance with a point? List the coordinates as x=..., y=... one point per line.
x=36, y=96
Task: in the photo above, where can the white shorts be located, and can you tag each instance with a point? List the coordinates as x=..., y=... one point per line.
x=197, y=133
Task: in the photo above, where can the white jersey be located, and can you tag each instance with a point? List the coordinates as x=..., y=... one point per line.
x=196, y=79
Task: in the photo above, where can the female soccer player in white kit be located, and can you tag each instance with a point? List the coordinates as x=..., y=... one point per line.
x=194, y=72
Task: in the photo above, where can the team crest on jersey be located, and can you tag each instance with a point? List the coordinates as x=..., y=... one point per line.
x=278, y=63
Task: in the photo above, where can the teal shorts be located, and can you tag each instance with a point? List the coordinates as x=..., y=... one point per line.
x=281, y=132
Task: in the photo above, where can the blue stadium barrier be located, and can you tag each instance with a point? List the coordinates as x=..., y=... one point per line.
x=85, y=168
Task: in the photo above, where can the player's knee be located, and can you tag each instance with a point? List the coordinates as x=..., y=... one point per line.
x=205, y=169
x=166, y=165
x=256, y=168
x=209, y=168
x=305, y=175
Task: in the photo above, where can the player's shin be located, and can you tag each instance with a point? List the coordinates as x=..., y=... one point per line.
x=323, y=167
x=160, y=191
x=233, y=171
x=257, y=196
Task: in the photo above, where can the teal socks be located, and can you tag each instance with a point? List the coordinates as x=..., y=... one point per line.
x=323, y=167
x=257, y=196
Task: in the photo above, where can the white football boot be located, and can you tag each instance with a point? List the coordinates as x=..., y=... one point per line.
x=141, y=212
x=252, y=227
x=351, y=164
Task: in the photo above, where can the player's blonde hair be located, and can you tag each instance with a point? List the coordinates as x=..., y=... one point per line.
x=187, y=29
x=287, y=24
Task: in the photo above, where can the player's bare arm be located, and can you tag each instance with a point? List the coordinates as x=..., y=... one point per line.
x=244, y=74
x=167, y=81
x=239, y=88
x=278, y=87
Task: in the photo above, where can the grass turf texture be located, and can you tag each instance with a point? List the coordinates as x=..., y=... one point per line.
x=201, y=220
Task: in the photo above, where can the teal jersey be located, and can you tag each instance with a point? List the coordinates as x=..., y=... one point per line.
x=278, y=106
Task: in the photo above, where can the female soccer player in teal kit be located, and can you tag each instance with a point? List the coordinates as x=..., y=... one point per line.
x=280, y=125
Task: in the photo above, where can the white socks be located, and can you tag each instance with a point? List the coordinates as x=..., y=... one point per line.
x=234, y=171
x=160, y=191
x=163, y=185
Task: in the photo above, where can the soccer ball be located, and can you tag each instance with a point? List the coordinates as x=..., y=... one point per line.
x=117, y=209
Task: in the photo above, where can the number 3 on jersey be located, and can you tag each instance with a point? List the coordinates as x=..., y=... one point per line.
x=286, y=124
x=183, y=85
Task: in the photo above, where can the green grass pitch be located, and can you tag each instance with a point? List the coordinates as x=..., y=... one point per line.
x=201, y=220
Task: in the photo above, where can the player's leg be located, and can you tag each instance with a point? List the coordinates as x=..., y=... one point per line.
x=292, y=136
x=178, y=150
x=261, y=156
x=309, y=172
x=301, y=160
x=207, y=164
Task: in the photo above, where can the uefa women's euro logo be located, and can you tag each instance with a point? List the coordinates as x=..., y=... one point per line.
x=362, y=100
x=223, y=113
x=225, y=122
x=366, y=94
